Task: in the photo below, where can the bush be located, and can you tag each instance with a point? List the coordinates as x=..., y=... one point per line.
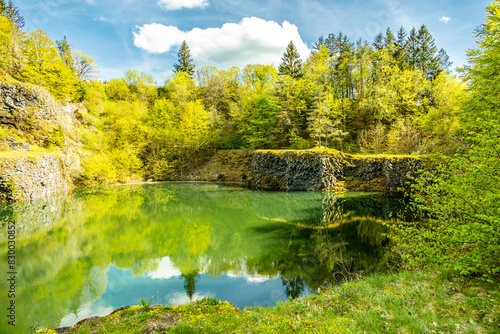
x=97, y=169
x=163, y=170
x=56, y=138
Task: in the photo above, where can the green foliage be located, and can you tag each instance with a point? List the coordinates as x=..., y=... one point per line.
x=94, y=96
x=141, y=86
x=259, y=121
x=12, y=13
x=97, y=169
x=64, y=50
x=163, y=170
x=184, y=62
x=181, y=88
x=403, y=138
x=460, y=196
x=291, y=63
x=373, y=139
x=6, y=39
x=145, y=304
x=56, y=138
x=442, y=118
x=193, y=125
x=117, y=89
x=44, y=67
x=12, y=60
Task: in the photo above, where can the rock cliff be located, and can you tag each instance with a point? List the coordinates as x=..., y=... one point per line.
x=31, y=114
x=28, y=177
x=328, y=170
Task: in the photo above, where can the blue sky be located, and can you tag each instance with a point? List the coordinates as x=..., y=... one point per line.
x=145, y=35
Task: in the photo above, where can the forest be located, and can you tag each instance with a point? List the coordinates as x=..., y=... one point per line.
x=396, y=94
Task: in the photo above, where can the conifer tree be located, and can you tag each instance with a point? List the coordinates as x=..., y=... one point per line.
x=184, y=63
x=64, y=50
x=317, y=46
x=389, y=39
x=401, y=49
x=378, y=42
x=12, y=13
x=426, y=52
x=412, y=48
x=291, y=63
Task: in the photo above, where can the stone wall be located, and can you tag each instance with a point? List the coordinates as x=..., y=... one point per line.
x=294, y=170
x=30, y=176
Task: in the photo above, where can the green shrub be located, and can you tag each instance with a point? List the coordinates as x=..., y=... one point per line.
x=56, y=138
x=97, y=169
x=163, y=170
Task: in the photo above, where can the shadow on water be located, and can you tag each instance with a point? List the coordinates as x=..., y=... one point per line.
x=94, y=250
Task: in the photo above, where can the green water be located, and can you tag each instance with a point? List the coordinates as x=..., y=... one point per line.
x=93, y=251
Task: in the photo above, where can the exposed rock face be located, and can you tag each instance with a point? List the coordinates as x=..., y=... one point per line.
x=310, y=170
x=32, y=109
x=24, y=106
x=30, y=176
x=295, y=170
x=33, y=112
x=389, y=174
x=14, y=144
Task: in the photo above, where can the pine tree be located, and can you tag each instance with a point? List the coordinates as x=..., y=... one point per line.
x=64, y=50
x=184, y=63
x=291, y=63
x=426, y=52
x=317, y=46
x=412, y=49
x=389, y=39
x=378, y=42
x=10, y=11
x=401, y=49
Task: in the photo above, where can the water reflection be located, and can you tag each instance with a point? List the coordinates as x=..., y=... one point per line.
x=95, y=250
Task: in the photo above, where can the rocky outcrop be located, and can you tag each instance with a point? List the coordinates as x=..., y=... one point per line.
x=31, y=117
x=33, y=111
x=27, y=177
x=292, y=170
x=388, y=174
x=295, y=170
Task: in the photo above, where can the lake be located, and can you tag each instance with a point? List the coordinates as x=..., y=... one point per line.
x=94, y=250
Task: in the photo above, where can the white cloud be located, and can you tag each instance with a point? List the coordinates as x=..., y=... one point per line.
x=251, y=41
x=102, y=19
x=85, y=311
x=90, y=2
x=251, y=279
x=445, y=19
x=181, y=298
x=165, y=270
x=179, y=4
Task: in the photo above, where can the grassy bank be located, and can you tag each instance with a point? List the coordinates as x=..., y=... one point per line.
x=405, y=302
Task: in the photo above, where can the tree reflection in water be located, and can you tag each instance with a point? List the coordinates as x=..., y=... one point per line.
x=66, y=244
